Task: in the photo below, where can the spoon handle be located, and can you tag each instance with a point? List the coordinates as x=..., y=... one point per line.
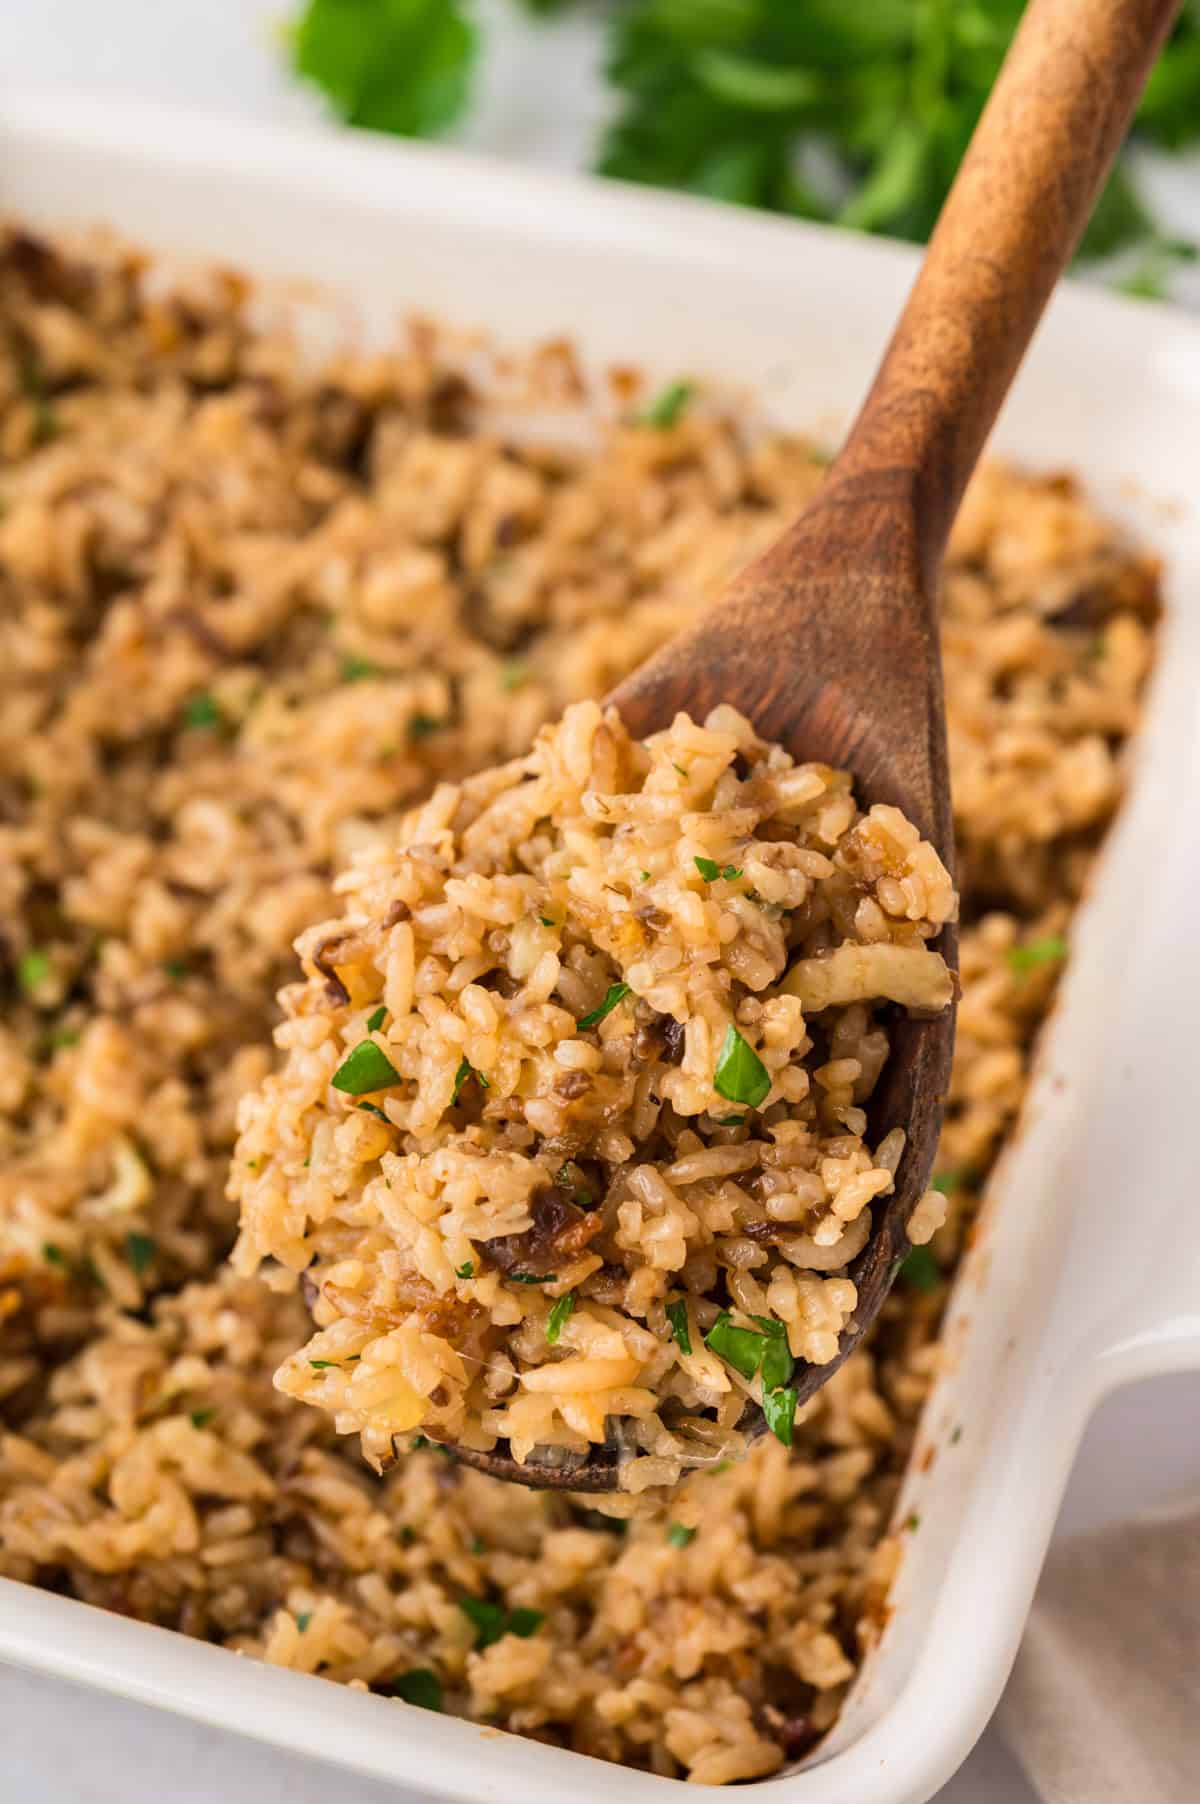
x=1055, y=120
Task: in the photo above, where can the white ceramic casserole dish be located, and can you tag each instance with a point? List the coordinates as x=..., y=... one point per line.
x=1058, y=1303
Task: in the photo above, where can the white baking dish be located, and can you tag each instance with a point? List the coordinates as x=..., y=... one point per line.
x=1087, y=1270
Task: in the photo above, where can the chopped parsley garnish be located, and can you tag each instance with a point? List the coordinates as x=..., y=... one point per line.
x=366, y=1068
x=777, y=1362
x=466, y=1070
x=729, y=1120
x=645, y=876
x=764, y=1349
x=912, y=1522
x=420, y=1686
x=62, y=1036
x=492, y=1620
x=921, y=1270
x=303, y=1620
x=477, y=1545
x=420, y=726
x=323, y=1365
x=533, y=1277
x=202, y=712
x=1048, y=951
x=467, y=1270
x=373, y=1108
x=779, y=1409
x=677, y=1315
x=55, y=1256
x=614, y=996
x=33, y=968
x=679, y=768
x=376, y=1019
x=358, y=670
x=742, y=1348
x=946, y=1181
x=140, y=1251
x=740, y=1074
x=546, y=921
x=176, y=969
x=956, y=1434
x=407, y=1534
x=679, y=1536
x=512, y=675
x=200, y=1418
x=710, y=870
x=667, y=406
x=559, y=1316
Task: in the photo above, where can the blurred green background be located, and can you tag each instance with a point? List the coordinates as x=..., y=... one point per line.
x=850, y=111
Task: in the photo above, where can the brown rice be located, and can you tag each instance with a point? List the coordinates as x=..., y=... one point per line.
x=248, y=613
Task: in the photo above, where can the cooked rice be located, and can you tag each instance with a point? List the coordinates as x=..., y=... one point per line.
x=249, y=614
x=501, y=1146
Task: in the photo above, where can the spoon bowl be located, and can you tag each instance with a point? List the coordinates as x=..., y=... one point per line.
x=829, y=642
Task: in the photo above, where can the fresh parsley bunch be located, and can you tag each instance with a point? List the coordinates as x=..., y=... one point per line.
x=854, y=111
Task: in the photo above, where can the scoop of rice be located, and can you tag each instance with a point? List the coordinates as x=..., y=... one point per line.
x=569, y=1141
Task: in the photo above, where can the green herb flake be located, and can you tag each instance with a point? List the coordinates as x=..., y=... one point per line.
x=420, y=726
x=33, y=968
x=729, y=1120
x=667, y=407
x=376, y=1019
x=466, y=1270
x=956, y=1434
x=921, y=1270
x=740, y=1075
x=373, y=1108
x=512, y=675
x=742, y=1348
x=779, y=1410
x=54, y=1255
x=140, y=1251
x=946, y=1181
x=679, y=769
x=366, y=1068
x=614, y=996
x=358, y=670
x=912, y=1522
x=202, y=712
x=1049, y=951
x=303, y=1620
x=679, y=1536
x=524, y=1623
x=559, y=1316
x=60, y=1037
x=710, y=870
x=200, y=1418
x=533, y=1277
x=466, y=1070
x=420, y=1686
x=677, y=1315
x=645, y=876
x=323, y=1365
x=176, y=969
x=777, y=1362
x=408, y=1534
x=489, y=1619
x=546, y=921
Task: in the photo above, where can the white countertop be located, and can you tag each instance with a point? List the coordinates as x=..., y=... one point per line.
x=61, y=1745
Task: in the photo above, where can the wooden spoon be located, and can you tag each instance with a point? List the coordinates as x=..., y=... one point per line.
x=829, y=643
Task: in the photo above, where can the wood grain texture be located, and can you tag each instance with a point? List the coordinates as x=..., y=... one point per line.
x=829, y=643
